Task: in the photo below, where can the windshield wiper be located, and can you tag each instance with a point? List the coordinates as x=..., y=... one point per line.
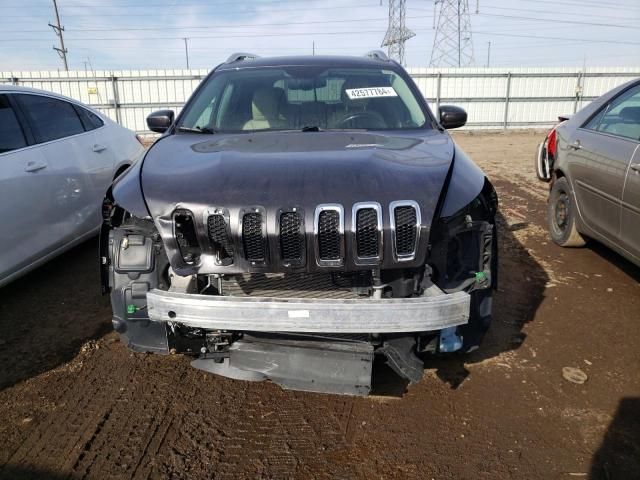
x=206, y=130
x=311, y=128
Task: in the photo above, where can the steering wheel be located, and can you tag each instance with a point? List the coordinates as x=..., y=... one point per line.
x=372, y=120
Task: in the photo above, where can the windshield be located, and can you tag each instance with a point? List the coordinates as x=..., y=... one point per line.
x=293, y=98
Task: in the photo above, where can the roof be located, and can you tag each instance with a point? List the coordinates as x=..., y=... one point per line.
x=18, y=88
x=311, y=60
x=4, y=88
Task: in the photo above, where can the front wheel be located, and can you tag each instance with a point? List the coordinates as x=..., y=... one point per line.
x=561, y=215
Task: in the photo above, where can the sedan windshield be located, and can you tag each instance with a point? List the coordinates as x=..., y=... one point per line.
x=296, y=98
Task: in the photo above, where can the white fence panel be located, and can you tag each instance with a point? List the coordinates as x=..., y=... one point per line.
x=492, y=97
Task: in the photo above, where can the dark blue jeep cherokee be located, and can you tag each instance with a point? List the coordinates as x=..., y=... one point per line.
x=300, y=217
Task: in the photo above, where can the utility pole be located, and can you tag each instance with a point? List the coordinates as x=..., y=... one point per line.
x=186, y=50
x=313, y=48
x=452, y=44
x=488, y=54
x=58, y=29
x=397, y=33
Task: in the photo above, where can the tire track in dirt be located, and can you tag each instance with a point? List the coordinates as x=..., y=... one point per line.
x=80, y=412
x=227, y=429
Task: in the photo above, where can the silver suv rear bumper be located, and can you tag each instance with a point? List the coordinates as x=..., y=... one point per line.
x=421, y=314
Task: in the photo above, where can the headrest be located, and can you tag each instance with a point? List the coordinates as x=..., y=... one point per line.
x=631, y=114
x=265, y=103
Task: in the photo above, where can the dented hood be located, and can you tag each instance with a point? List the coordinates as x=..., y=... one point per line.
x=295, y=168
x=280, y=170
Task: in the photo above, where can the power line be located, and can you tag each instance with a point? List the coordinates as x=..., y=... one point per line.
x=216, y=5
x=546, y=37
x=557, y=20
x=554, y=13
x=352, y=47
x=148, y=14
x=202, y=37
x=349, y=32
x=583, y=4
x=208, y=27
x=598, y=4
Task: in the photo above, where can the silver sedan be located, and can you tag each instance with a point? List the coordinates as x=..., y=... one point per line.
x=57, y=160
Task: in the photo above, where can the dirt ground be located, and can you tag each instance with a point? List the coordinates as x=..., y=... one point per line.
x=75, y=403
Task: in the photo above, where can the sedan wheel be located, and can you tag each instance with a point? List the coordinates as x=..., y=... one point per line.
x=561, y=214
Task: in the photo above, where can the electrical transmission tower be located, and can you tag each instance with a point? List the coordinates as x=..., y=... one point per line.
x=452, y=44
x=397, y=33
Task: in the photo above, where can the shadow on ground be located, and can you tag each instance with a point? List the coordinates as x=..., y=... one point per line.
x=520, y=291
x=521, y=286
x=619, y=454
x=633, y=271
x=9, y=472
x=47, y=315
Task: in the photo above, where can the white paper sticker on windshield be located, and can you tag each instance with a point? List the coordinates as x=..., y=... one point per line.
x=370, y=92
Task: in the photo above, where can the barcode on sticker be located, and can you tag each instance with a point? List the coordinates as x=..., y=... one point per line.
x=298, y=313
x=370, y=92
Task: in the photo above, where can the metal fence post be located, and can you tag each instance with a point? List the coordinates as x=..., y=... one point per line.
x=438, y=94
x=116, y=102
x=15, y=80
x=507, y=95
x=578, y=92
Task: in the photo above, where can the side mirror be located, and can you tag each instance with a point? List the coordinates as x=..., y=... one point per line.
x=160, y=121
x=452, y=117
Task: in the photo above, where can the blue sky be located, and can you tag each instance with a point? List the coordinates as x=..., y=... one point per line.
x=137, y=34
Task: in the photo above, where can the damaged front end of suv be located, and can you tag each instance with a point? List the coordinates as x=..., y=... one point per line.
x=275, y=251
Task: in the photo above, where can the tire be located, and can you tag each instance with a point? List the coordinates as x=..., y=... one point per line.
x=561, y=215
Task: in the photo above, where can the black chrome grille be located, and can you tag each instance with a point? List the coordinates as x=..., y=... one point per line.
x=219, y=236
x=367, y=238
x=329, y=235
x=253, y=238
x=291, y=237
x=286, y=246
x=406, y=232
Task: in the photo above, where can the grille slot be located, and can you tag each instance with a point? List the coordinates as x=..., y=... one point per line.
x=329, y=235
x=367, y=230
x=253, y=238
x=406, y=225
x=329, y=229
x=291, y=238
x=219, y=236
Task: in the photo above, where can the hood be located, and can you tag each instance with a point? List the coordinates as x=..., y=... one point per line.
x=276, y=170
x=301, y=168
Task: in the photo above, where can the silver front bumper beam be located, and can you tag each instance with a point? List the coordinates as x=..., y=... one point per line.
x=421, y=314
